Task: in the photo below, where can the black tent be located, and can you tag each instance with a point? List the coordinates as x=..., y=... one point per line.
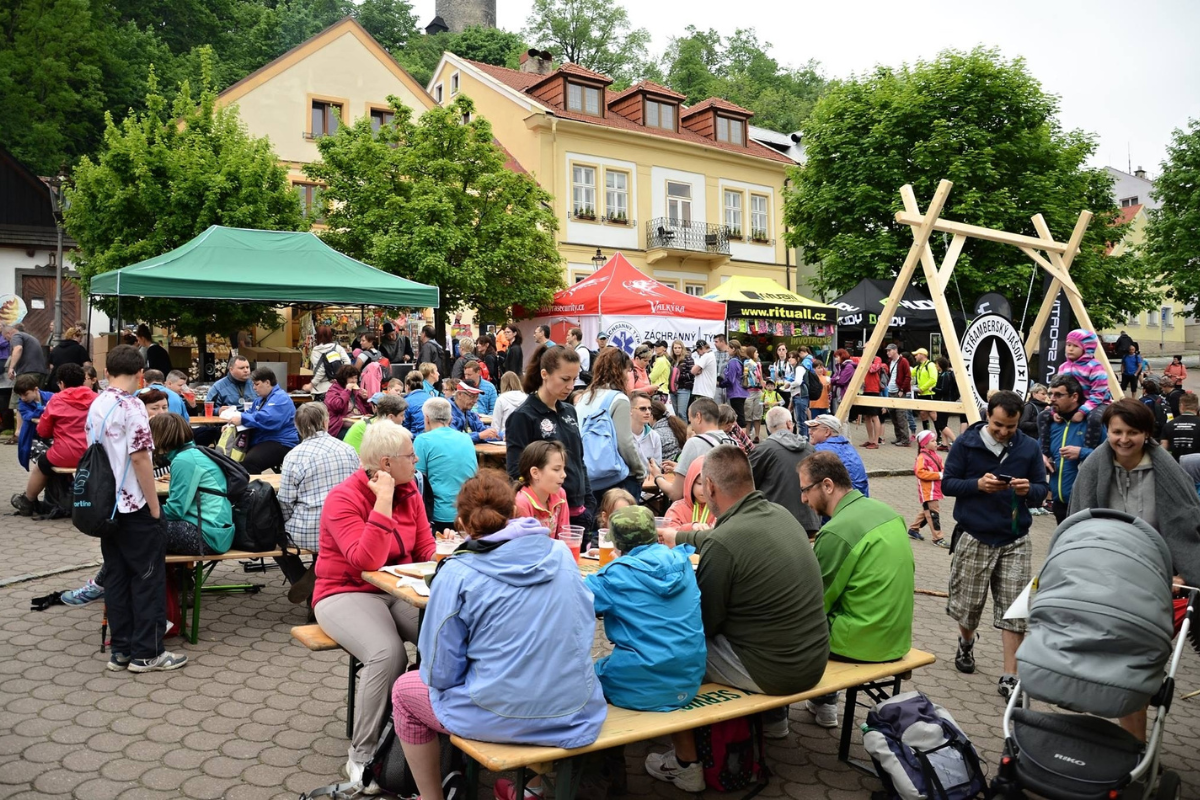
x=860, y=307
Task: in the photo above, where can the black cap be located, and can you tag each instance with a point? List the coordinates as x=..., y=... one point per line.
x=661, y=343
x=700, y=343
x=388, y=327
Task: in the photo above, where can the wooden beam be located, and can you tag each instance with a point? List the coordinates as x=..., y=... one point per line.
x=921, y=232
x=952, y=254
x=1033, y=342
x=977, y=232
x=952, y=407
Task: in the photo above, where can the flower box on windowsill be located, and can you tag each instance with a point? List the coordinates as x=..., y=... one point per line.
x=585, y=215
x=760, y=240
x=733, y=234
x=617, y=220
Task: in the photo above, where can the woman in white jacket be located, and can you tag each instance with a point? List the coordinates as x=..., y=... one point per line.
x=327, y=358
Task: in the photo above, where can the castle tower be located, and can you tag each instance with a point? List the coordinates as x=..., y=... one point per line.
x=460, y=14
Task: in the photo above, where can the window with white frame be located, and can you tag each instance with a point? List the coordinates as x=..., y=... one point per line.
x=438, y=92
x=733, y=213
x=679, y=202
x=585, y=99
x=1152, y=319
x=758, y=217
x=1168, y=317
x=1133, y=319
x=583, y=191
x=695, y=289
x=454, y=84
x=616, y=195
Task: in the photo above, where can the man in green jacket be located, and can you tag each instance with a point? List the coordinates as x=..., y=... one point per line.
x=867, y=570
x=760, y=601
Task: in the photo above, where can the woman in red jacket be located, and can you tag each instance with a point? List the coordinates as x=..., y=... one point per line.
x=375, y=518
x=63, y=421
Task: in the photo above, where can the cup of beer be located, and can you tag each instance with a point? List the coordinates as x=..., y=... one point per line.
x=607, y=552
x=444, y=548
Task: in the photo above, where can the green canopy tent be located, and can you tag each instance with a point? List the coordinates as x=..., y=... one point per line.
x=283, y=267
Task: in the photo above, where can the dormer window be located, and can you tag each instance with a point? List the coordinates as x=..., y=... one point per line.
x=731, y=130
x=660, y=115
x=584, y=99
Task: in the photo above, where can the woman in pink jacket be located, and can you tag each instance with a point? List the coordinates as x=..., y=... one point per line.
x=345, y=399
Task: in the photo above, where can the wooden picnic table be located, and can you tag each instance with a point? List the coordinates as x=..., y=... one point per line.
x=492, y=454
x=270, y=478
x=199, y=420
x=486, y=419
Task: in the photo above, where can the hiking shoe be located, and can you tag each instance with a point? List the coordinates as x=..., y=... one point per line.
x=665, y=767
x=505, y=789
x=776, y=730
x=1006, y=686
x=964, y=659
x=90, y=592
x=915, y=534
x=824, y=714
x=117, y=663
x=165, y=661
x=24, y=506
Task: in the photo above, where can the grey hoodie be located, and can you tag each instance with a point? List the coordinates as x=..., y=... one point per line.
x=1132, y=491
x=774, y=463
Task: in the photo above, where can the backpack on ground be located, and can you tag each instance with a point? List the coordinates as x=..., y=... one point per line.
x=601, y=458
x=919, y=751
x=94, y=490
x=732, y=755
x=258, y=522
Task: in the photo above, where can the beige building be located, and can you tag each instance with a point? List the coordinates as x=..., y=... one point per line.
x=1161, y=331
x=683, y=192
x=334, y=78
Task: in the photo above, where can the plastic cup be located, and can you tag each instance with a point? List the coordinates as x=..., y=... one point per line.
x=208, y=408
x=444, y=548
x=607, y=551
x=661, y=522
x=572, y=538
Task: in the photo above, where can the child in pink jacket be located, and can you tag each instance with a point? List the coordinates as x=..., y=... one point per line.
x=1081, y=364
x=690, y=513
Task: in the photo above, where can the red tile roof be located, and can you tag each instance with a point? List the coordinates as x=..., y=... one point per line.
x=522, y=81
x=717, y=102
x=647, y=86
x=1127, y=214
x=584, y=72
x=511, y=164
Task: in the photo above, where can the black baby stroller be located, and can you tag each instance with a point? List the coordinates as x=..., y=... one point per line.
x=1099, y=642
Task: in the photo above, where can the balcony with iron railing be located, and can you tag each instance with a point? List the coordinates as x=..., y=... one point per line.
x=694, y=238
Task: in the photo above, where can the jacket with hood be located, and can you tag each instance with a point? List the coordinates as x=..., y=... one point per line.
x=1029, y=417
x=871, y=384
x=333, y=356
x=63, y=420
x=928, y=469
x=1002, y=517
x=355, y=538
x=1158, y=487
x=344, y=402
x=192, y=471
x=684, y=512
x=774, y=462
x=1088, y=371
x=651, y=607
x=431, y=352
x=506, y=645
x=840, y=377
x=1055, y=435
x=733, y=376
x=414, y=415
x=273, y=419
x=29, y=412
x=841, y=447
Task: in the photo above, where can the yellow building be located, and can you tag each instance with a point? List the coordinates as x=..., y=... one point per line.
x=334, y=78
x=1160, y=331
x=682, y=192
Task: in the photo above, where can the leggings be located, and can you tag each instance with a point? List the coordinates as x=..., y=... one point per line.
x=185, y=539
x=374, y=627
x=412, y=711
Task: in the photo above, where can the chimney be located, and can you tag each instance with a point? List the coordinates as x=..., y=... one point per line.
x=1140, y=173
x=537, y=62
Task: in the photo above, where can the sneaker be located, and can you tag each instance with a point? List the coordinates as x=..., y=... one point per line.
x=1006, y=686
x=24, y=506
x=902, y=444
x=943, y=447
x=90, y=592
x=777, y=730
x=964, y=659
x=1038, y=512
x=165, y=661
x=665, y=767
x=505, y=789
x=942, y=543
x=824, y=714
x=117, y=663
x=915, y=534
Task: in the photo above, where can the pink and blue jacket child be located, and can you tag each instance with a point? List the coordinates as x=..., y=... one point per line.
x=1092, y=377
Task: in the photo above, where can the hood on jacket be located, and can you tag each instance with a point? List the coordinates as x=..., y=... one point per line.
x=526, y=558
x=689, y=480
x=658, y=568
x=1085, y=339
x=78, y=397
x=789, y=440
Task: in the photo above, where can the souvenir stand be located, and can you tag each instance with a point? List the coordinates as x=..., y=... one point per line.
x=759, y=311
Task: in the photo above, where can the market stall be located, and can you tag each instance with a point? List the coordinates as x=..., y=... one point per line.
x=629, y=306
x=915, y=322
x=761, y=312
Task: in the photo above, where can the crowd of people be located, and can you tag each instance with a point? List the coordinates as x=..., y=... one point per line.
x=717, y=451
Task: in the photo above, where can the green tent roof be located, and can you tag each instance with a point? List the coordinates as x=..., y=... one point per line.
x=282, y=267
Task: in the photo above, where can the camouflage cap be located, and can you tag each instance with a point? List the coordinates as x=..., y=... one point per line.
x=632, y=526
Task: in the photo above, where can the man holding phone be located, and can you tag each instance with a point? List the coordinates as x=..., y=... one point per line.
x=996, y=474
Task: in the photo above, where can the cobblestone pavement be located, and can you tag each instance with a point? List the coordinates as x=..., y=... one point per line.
x=255, y=716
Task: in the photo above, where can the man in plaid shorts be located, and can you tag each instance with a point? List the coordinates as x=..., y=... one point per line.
x=996, y=474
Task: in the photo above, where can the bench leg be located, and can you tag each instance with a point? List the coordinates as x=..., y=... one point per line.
x=355, y=666
x=471, y=771
x=197, y=590
x=848, y=724
x=877, y=691
x=568, y=777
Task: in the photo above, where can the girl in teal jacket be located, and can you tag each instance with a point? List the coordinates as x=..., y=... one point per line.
x=197, y=523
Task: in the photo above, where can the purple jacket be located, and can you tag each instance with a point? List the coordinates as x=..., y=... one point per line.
x=733, y=374
x=840, y=379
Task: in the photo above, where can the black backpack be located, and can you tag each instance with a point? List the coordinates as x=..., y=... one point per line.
x=812, y=383
x=258, y=522
x=94, y=491
x=236, y=476
x=1158, y=407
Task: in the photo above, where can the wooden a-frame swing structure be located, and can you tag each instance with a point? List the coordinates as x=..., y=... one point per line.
x=1056, y=261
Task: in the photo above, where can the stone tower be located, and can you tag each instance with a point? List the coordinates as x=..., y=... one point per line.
x=460, y=14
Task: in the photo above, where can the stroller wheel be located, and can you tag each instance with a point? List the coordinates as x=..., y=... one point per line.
x=1169, y=787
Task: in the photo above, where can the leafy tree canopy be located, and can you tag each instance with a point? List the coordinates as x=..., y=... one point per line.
x=987, y=125
x=159, y=179
x=1172, y=245
x=591, y=33
x=421, y=55
x=432, y=201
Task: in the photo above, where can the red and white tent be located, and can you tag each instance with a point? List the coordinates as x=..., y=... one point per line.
x=630, y=307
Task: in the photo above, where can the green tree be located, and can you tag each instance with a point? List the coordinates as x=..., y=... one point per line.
x=162, y=177
x=420, y=56
x=591, y=33
x=432, y=201
x=1172, y=246
x=987, y=125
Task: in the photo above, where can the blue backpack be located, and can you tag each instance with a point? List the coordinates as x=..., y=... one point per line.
x=601, y=458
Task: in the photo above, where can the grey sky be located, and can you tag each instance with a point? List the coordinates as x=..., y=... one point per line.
x=1127, y=71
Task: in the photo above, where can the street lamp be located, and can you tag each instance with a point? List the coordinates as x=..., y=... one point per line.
x=598, y=259
x=58, y=204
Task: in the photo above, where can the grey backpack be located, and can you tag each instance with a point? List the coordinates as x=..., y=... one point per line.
x=1100, y=621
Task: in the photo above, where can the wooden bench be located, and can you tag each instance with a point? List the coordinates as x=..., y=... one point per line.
x=200, y=568
x=317, y=640
x=714, y=703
